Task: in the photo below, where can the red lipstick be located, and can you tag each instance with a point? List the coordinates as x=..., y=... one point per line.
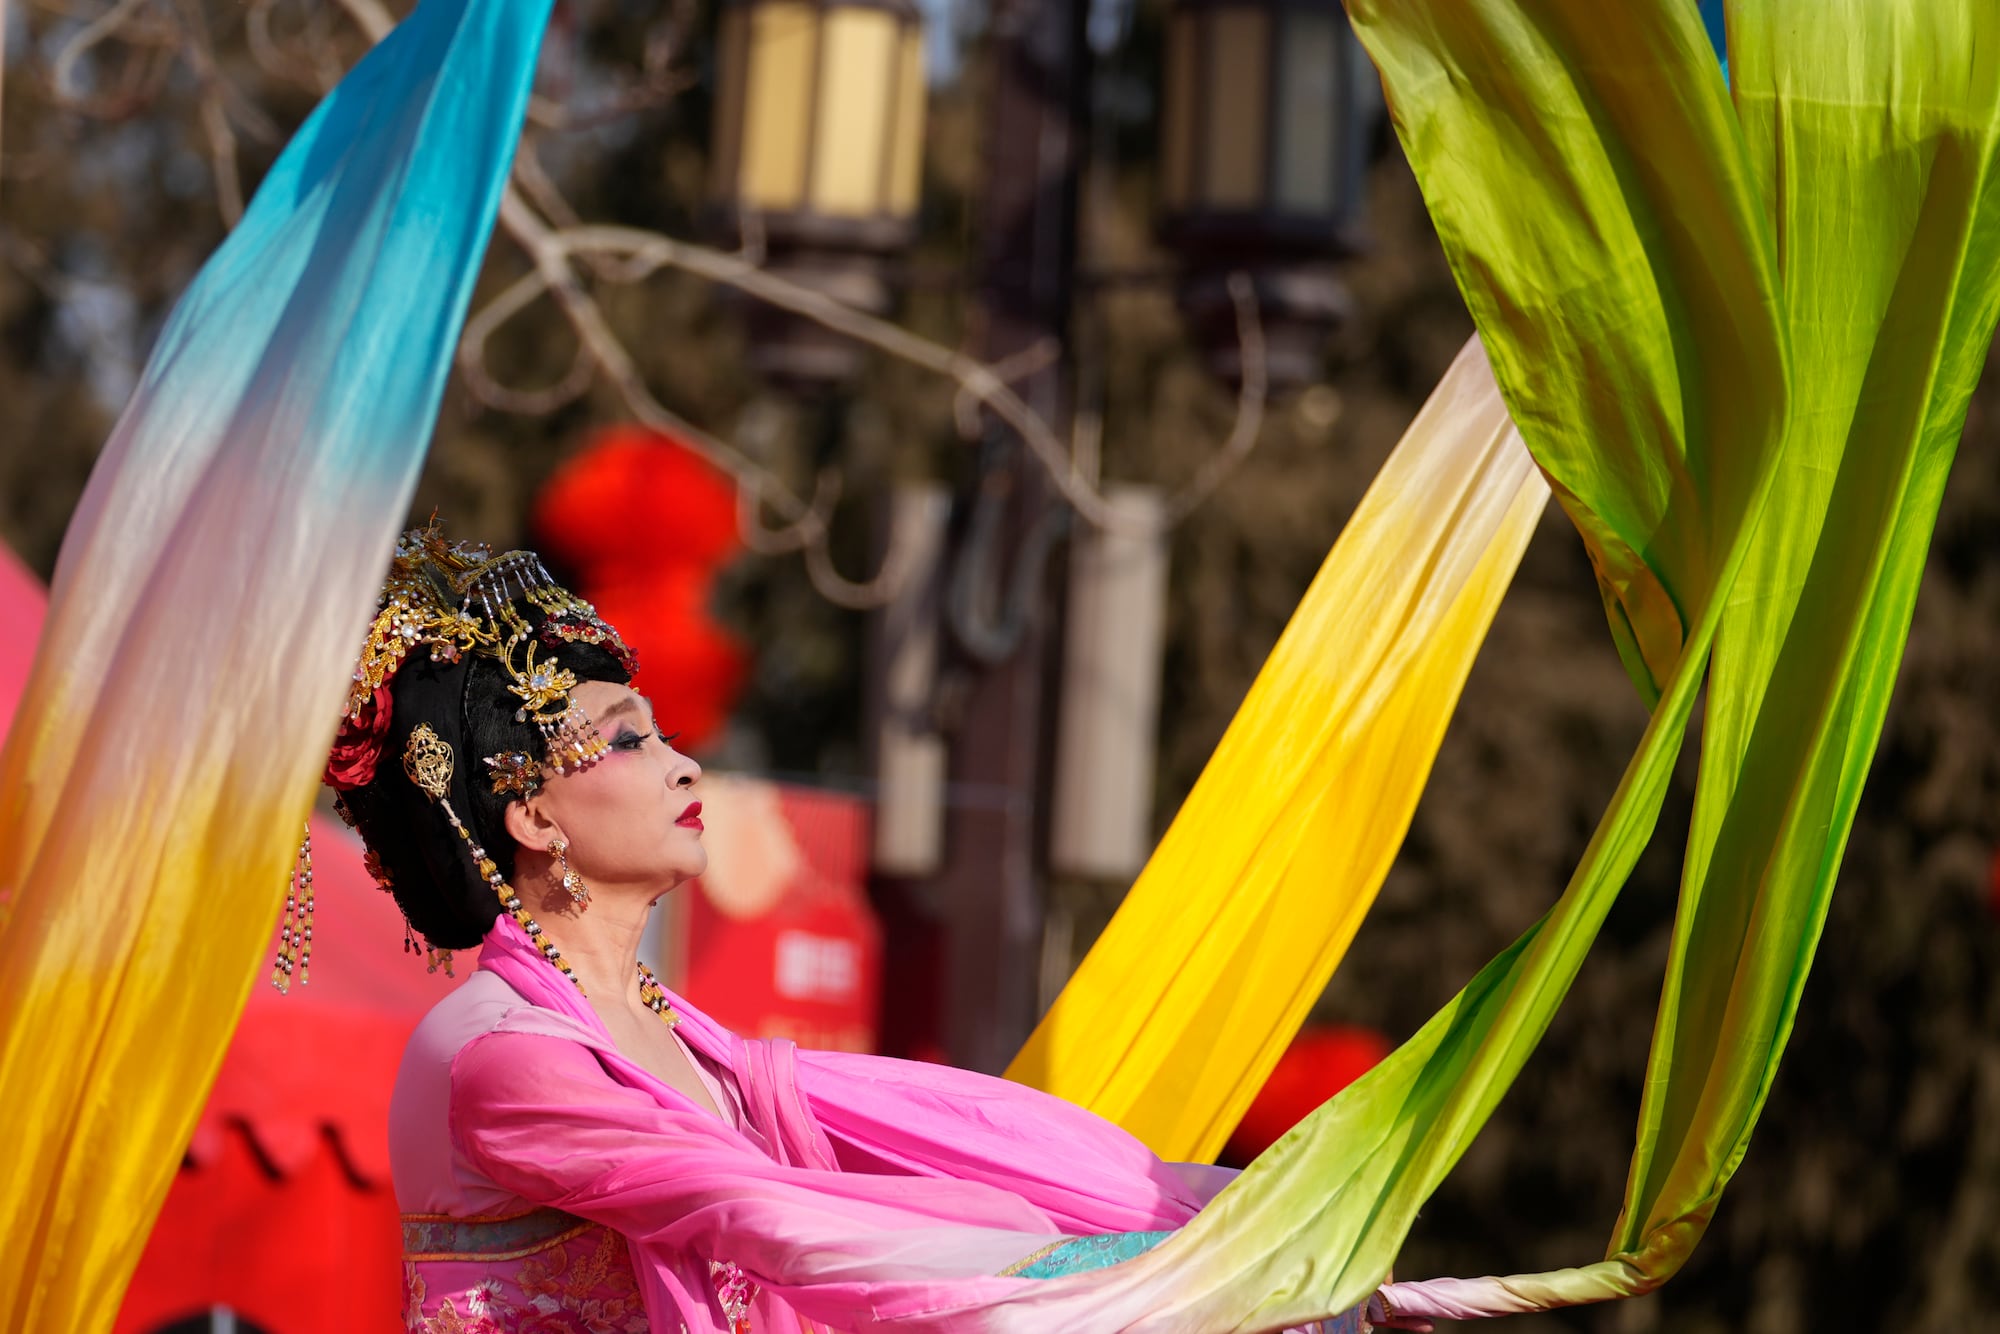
x=691, y=817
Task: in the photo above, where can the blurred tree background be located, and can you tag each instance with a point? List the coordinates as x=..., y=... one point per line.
x=1871, y=1195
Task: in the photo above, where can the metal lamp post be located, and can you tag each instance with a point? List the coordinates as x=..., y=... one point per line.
x=1266, y=116
x=818, y=153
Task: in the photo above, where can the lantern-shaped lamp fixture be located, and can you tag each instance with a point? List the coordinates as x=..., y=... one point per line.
x=818, y=149
x=1267, y=114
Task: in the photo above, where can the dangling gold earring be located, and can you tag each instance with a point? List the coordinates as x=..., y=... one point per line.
x=579, y=893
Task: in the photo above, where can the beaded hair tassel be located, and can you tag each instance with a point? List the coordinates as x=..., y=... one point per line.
x=295, y=932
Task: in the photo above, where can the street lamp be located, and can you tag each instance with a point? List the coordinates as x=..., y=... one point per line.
x=1266, y=116
x=818, y=151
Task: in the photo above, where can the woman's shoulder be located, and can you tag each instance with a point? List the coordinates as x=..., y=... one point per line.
x=477, y=1005
x=483, y=1004
x=428, y=1177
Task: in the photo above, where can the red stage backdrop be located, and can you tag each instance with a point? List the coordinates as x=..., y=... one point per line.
x=283, y=1210
x=778, y=939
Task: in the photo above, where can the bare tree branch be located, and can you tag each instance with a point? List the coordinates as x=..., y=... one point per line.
x=143, y=76
x=1250, y=398
x=482, y=383
x=557, y=240
x=1009, y=370
x=805, y=524
x=646, y=251
x=222, y=158
x=659, y=82
x=199, y=52
x=63, y=71
x=371, y=16
x=315, y=67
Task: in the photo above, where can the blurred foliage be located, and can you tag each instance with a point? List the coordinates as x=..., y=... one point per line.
x=1871, y=1194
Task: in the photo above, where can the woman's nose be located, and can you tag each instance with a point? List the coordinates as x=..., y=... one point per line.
x=686, y=771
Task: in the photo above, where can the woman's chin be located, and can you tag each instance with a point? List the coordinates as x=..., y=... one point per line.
x=689, y=864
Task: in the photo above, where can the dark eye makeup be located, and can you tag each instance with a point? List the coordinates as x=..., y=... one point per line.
x=627, y=739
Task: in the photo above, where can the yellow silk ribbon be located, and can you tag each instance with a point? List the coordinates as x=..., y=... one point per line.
x=1187, y=1000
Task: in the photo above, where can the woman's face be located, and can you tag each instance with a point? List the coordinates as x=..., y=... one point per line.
x=631, y=819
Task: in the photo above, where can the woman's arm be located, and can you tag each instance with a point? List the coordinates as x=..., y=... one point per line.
x=541, y=1118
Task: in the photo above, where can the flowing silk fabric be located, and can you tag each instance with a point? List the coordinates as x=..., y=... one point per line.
x=1741, y=341
x=1183, y=1006
x=1619, y=242
x=891, y=1195
x=1872, y=131
x=206, y=607
x=981, y=1172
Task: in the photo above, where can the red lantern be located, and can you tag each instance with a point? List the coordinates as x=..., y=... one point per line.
x=644, y=524
x=634, y=493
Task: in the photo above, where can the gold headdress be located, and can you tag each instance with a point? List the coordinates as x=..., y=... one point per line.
x=451, y=599
x=457, y=598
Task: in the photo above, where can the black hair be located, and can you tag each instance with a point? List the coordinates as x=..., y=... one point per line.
x=431, y=872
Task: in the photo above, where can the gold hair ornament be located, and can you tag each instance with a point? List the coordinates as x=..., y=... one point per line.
x=455, y=598
x=569, y=739
x=514, y=772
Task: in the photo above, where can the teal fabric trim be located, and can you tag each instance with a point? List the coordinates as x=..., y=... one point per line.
x=1080, y=1255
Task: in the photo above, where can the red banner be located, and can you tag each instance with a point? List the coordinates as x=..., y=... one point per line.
x=778, y=939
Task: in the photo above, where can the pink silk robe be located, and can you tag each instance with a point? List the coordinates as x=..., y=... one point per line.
x=855, y=1192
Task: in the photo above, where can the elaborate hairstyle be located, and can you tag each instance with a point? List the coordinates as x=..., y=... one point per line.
x=417, y=855
x=482, y=651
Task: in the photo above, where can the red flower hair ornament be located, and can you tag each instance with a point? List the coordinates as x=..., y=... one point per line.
x=357, y=746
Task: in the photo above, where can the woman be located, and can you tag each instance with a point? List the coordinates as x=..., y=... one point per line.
x=577, y=1150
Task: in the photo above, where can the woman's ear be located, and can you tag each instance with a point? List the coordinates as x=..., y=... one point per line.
x=528, y=826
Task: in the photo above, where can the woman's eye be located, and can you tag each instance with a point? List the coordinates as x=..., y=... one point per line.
x=631, y=740
x=671, y=737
